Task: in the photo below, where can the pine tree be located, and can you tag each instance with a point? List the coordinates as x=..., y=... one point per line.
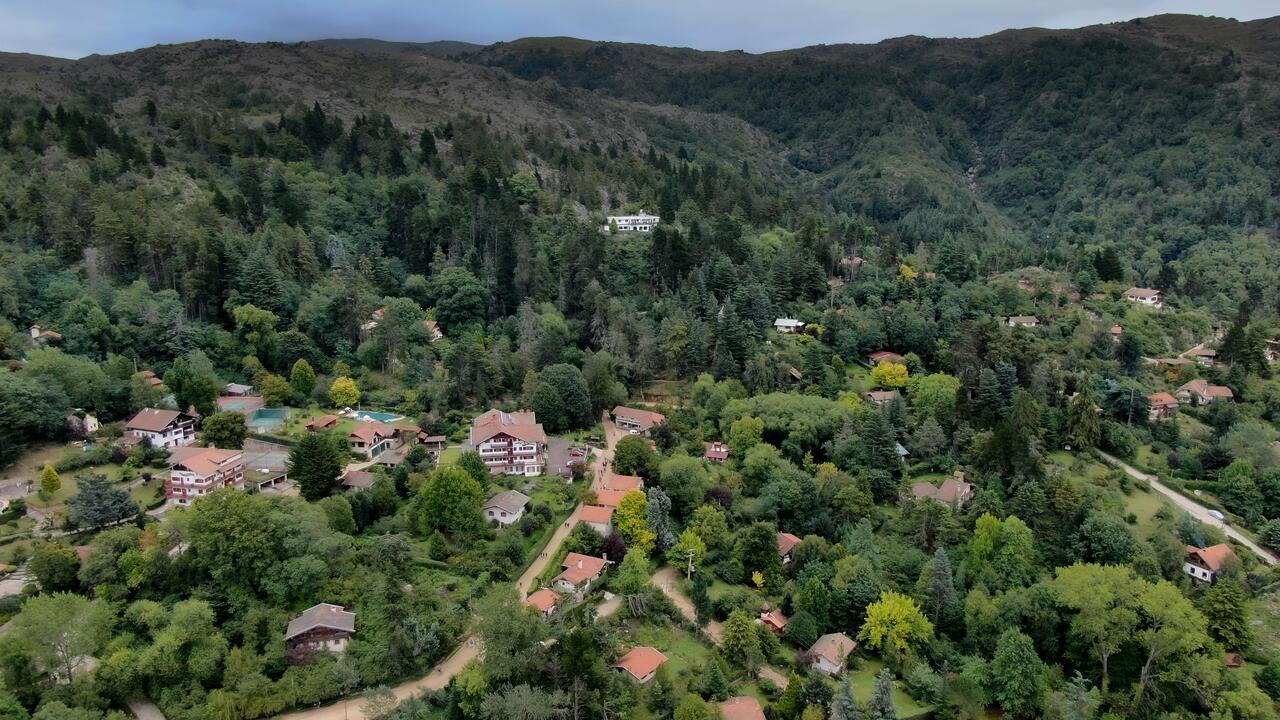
x=844, y=706
x=1224, y=606
x=315, y=465
x=714, y=685
x=1084, y=429
x=880, y=706
x=50, y=483
x=940, y=587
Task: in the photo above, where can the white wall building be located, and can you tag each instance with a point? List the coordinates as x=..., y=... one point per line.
x=641, y=222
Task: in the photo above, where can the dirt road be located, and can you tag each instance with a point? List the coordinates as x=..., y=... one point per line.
x=1195, y=509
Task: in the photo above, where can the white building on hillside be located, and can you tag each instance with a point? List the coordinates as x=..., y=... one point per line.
x=641, y=222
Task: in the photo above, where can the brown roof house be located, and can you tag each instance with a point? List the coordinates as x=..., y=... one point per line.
x=599, y=517
x=829, y=653
x=636, y=421
x=324, y=422
x=163, y=428
x=506, y=508
x=716, y=452
x=623, y=483
x=880, y=356
x=1201, y=392
x=544, y=600
x=1204, y=564
x=880, y=397
x=1146, y=296
x=510, y=443
x=320, y=628
x=641, y=662
x=358, y=479
x=1163, y=405
x=579, y=572
x=954, y=492
x=1204, y=356
x=786, y=543
x=371, y=437
x=774, y=620
x=743, y=707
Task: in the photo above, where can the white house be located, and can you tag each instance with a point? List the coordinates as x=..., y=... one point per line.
x=788, y=325
x=829, y=653
x=1204, y=564
x=163, y=428
x=194, y=472
x=598, y=518
x=579, y=572
x=506, y=508
x=640, y=222
x=510, y=443
x=1147, y=296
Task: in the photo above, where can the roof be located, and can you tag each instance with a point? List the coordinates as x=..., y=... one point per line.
x=237, y=389
x=641, y=661
x=952, y=489
x=788, y=322
x=879, y=355
x=362, y=479
x=774, y=619
x=155, y=419
x=716, y=451
x=522, y=425
x=579, y=568
x=324, y=615
x=880, y=396
x=597, y=514
x=1117, y=330
x=433, y=438
x=204, y=461
x=1203, y=352
x=786, y=541
x=1142, y=292
x=1162, y=399
x=610, y=498
x=323, y=421
x=543, y=600
x=743, y=707
x=644, y=419
x=834, y=647
x=1213, y=556
x=240, y=403
x=1023, y=319
x=370, y=430
x=623, y=483
x=512, y=501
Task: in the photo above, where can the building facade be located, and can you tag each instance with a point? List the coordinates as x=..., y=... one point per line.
x=640, y=222
x=163, y=428
x=510, y=443
x=194, y=472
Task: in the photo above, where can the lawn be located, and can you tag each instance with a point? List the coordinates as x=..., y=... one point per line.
x=450, y=455
x=863, y=681
x=145, y=493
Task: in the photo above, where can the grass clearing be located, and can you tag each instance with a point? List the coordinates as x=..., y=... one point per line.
x=863, y=681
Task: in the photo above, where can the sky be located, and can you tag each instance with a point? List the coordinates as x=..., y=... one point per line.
x=75, y=28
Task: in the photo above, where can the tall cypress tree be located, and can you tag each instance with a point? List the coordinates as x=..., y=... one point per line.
x=315, y=465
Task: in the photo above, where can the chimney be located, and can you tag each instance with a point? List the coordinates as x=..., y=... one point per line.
x=579, y=563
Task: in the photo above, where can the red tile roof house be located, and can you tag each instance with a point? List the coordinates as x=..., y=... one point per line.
x=636, y=421
x=954, y=492
x=1200, y=392
x=579, y=572
x=743, y=707
x=545, y=601
x=775, y=621
x=786, y=543
x=40, y=337
x=623, y=483
x=1146, y=296
x=510, y=443
x=371, y=437
x=880, y=397
x=829, y=653
x=163, y=428
x=506, y=507
x=358, y=479
x=880, y=356
x=610, y=498
x=1163, y=405
x=194, y=472
x=641, y=662
x=716, y=452
x=1204, y=564
x=324, y=422
x=598, y=517
x=320, y=628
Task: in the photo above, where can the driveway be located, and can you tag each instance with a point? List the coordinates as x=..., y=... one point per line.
x=1195, y=509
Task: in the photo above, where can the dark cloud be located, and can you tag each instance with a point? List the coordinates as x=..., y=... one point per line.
x=73, y=28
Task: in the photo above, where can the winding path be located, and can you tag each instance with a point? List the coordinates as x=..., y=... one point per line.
x=1195, y=509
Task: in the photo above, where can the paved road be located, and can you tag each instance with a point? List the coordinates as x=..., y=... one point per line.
x=666, y=579
x=1195, y=509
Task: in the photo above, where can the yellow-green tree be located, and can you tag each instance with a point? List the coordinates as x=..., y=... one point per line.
x=632, y=521
x=50, y=483
x=895, y=620
x=344, y=392
x=889, y=375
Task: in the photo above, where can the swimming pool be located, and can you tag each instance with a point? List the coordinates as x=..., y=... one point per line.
x=379, y=416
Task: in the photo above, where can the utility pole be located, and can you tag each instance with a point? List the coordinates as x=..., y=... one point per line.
x=688, y=573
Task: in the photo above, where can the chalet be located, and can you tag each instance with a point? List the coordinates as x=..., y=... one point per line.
x=506, y=508
x=788, y=325
x=324, y=422
x=954, y=492
x=237, y=390
x=1163, y=405
x=370, y=438
x=320, y=628
x=1022, y=321
x=579, y=572
x=774, y=620
x=880, y=397
x=637, y=422
x=829, y=653
x=1204, y=564
x=641, y=662
x=1204, y=357
x=433, y=330
x=163, y=428
x=640, y=222
x=43, y=337
x=544, y=600
x=880, y=356
x=194, y=472
x=510, y=443
x=743, y=707
x=623, y=483
x=1199, y=392
x=1146, y=296
x=598, y=518
x=358, y=479
x=716, y=452
x=786, y=543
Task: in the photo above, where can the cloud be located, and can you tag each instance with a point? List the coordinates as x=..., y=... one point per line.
x=73, y=28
